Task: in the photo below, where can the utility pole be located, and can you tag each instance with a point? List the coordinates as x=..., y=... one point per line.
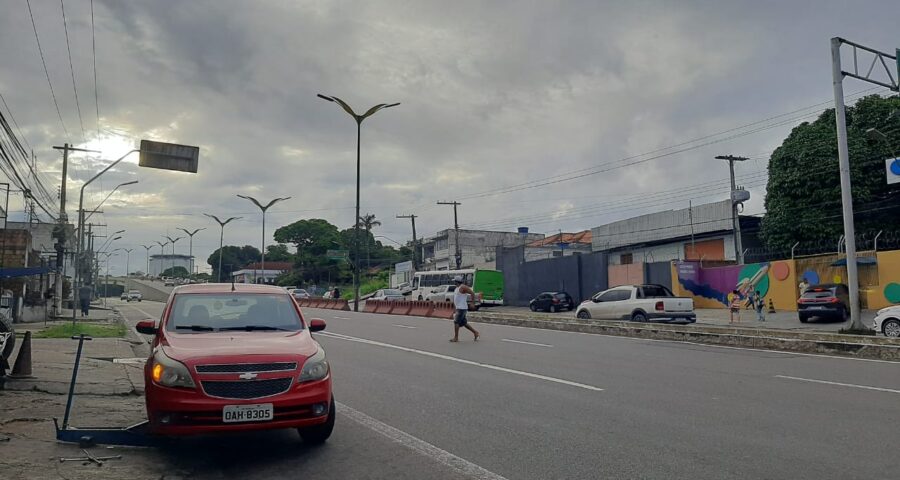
x=691, y=218
x=415, y=246
x=147, y=248
x=735, y=219
x=61, y=222
x=456, y=228
x=879, y=77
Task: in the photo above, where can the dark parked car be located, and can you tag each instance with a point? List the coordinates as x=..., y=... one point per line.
x=552, y=302
x=829, y=300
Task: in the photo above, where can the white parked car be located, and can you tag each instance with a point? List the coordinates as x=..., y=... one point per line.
x=300, y=293
x=441, y=294
x=639, y=303
x=887, y=321
x=388, y=294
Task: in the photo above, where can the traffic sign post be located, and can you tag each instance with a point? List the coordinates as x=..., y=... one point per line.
x=892, y=168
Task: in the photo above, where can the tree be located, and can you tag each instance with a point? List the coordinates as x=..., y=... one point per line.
x=177, y=272
x=279, y=253
x=233, y=258
x=368, y=222
x=803, y=194
x=312, y=238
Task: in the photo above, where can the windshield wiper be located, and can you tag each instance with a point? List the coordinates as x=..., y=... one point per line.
x=196, y=328
x=250, y=328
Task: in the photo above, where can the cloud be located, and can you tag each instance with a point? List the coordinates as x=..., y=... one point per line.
x=492, y=94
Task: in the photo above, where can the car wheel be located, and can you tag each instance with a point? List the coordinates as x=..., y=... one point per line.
x=639, y=317
x=891, y=328
x=317, y=434
x=532, y=307
x=553, y=309
x=845, y=314
x=804, y=319
x=584, y=315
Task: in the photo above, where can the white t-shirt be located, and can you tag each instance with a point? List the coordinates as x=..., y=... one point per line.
x=460, y=300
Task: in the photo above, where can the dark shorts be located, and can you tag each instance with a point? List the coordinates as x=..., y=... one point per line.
x=460, y=318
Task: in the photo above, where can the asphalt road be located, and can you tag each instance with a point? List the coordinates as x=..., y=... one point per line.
x=539, y=404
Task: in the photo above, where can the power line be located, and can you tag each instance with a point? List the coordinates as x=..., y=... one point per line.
x=46, y=72
x=94, y=57
x=11, y=116
x=584, y=172
x=72, y=70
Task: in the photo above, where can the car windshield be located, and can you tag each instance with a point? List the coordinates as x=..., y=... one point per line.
x=819, y=292
x=232, y=311
x=562, y=295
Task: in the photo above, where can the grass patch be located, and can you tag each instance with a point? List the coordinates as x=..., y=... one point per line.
x=91, y=329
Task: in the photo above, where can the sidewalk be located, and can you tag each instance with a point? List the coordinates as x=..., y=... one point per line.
x=107, y=394
x=781, y=320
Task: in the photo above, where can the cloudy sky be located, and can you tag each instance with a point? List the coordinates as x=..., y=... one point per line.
x=551, y=115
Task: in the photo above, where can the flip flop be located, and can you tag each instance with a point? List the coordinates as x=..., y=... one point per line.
x=454, y=341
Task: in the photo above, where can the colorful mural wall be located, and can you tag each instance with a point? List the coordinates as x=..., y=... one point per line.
x=887, y=291
x=778, y=281
x=709, y=287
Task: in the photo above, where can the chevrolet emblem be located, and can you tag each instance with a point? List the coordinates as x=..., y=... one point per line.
x=247, y=376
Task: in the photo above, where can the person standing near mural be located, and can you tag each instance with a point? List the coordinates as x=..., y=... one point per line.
x=759, y=303
x=734, y=306
x=803, y=286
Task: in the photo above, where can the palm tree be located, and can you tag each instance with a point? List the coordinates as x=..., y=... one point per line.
x=368, y=222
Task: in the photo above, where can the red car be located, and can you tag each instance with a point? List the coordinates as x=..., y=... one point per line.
x=236, y=358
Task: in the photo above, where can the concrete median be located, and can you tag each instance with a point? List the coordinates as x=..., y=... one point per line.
x=859, y=346
x=443, y=310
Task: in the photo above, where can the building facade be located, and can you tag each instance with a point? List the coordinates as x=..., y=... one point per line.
x=477, y=248
x=161, y=263
x=559, y=245
x=703, y=232
x=254, y=273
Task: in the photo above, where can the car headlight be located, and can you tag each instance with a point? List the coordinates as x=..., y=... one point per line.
x=315, y=367
x=170, y=373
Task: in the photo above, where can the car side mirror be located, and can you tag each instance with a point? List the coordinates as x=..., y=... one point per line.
x=147, y=327
x=596, y=300
x=316, y=325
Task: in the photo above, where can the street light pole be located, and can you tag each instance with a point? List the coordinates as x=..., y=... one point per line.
x=191, y=247
x=162, y=252
x=127, y=259
x=263, y=208
x=359, y=119
x=173, y=240
x=147, y=248
x=222, y=224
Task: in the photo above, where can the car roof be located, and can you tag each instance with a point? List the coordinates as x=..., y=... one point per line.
x=228, y=287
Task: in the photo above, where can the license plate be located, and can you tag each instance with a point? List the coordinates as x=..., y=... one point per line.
x=816, y=307
x=247, y=413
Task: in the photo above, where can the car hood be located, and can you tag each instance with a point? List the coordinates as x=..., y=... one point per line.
x=189, y=347
x=891, y=309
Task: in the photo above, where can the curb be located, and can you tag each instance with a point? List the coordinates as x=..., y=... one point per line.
x=874, y=348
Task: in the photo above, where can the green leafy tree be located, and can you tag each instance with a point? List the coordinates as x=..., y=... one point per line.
x=803, y=195
x=279, y=253
x=233, y=258
x=312, y=238
x=176, y=272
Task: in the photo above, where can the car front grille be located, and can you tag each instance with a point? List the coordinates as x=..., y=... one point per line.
x=247, y=367
x=246, y=390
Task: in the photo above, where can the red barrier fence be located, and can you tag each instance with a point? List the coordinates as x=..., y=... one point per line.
x=421, y=308
x=371, y=305
x=402, y=308
x=443, y=310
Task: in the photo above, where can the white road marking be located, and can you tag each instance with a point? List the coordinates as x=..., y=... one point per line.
x=343, y=318
x=403, y=326
x=527, y=343
x=131, y=361
x=464, y=361
x=416, y=444
x=826, y=382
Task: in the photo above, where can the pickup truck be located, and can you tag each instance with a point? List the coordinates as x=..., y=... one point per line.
x=134, y=295
x=639, y=303
x=444, y=294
